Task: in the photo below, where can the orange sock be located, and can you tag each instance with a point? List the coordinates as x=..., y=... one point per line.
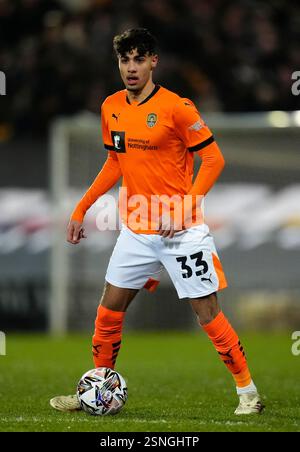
x=228, y=346
x=107, y=337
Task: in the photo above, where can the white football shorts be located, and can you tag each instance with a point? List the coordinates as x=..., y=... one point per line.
x=190, y=259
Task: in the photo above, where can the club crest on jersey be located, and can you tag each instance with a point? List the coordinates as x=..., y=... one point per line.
x=151, y=120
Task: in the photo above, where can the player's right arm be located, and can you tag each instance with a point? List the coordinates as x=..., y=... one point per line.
x=105, y=180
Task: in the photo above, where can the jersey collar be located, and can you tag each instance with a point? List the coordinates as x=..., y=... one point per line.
x=154, y=91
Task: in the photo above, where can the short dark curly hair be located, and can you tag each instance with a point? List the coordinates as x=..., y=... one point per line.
x=135, y=38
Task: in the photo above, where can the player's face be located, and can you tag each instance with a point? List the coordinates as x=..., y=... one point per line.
x=136, y=70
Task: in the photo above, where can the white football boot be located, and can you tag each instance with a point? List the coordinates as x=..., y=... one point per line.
x=65, y=403
x=250, y=403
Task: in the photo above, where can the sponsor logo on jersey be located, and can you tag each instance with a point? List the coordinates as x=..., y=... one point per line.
x=139, y=143
x=196, y=126
x=117, y=142
x=118, y=138
x=116, y=117
x=151, y=120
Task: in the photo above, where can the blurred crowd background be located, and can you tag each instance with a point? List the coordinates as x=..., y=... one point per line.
x=234, y=59
x=229, y=56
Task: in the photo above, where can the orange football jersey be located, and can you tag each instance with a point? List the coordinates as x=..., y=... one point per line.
x=154, y=142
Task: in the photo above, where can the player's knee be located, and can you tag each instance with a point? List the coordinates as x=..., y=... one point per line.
x=206, y=316
x=205, y=308
x=205, y=319
x=110, y=298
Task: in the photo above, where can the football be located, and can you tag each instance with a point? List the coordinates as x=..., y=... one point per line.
x=102, y=391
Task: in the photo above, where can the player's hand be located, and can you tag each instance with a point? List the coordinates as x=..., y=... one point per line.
x=166, y=227
x=75, y=232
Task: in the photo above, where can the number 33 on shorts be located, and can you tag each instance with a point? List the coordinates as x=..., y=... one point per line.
x=190, y=258
x=193, y=263
x=194, y=267
x=203, y=275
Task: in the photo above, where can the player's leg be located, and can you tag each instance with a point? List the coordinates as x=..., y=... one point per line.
x=196, y=271
x=224, y=338
x=108, y=324
x=227, y=344
x=206, y=308
x=133, y=265
x=107, y=336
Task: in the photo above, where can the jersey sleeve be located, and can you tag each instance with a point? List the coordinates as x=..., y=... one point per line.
x=106, y=179
x=190, y=127
x=107, y=141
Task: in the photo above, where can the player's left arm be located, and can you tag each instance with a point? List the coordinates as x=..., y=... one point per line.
x=210, y=169
x=198, y=139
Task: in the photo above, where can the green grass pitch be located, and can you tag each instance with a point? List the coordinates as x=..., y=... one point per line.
x=176, y=383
